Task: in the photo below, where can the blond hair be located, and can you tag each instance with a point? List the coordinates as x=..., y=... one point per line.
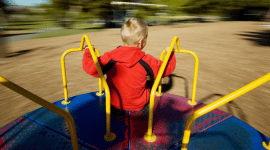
x=133, y=30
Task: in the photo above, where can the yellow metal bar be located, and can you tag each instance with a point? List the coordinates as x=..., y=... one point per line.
x=162, y=55
x=149, y=136
x=109, y=136
x=159, y=86
x=218, y=103
x=193, y=102
x=99, y=79
x=48, y=105
x=266, y=145
x=66, y=101
x=99, y=93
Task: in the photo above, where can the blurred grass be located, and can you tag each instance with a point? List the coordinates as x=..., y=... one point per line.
x=86, y=25
x=30, y=25
x=46, y=24
x=77, y=28
x=63, y=32
x=158, y=18
x=165, y=19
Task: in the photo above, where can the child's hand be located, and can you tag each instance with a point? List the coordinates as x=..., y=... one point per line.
x=167, y=48
x=174, y=48
x=88, y=47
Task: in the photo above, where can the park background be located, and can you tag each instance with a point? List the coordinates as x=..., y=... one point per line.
x=231, y=39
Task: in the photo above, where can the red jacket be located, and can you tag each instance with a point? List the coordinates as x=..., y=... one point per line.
x=127, y=78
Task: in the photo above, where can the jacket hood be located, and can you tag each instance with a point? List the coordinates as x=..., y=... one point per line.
x=128, y=56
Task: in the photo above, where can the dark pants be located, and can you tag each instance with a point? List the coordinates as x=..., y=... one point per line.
x=120, y=112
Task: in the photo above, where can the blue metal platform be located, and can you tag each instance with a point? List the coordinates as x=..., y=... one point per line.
x=43, y=129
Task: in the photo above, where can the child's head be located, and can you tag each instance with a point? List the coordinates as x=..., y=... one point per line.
x=134, y=33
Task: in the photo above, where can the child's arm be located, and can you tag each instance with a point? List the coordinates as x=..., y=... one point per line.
x=155, y=64
x=89, y=65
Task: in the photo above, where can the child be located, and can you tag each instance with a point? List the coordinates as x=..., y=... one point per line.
x=125, y=67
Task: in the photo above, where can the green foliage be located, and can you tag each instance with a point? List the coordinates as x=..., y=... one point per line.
x=221, y=6
x=3, y=13
x=2, y=4
x=61, y=4
x=84, y=16
x=200, y=6
x=174, y=6
x=145, y=11
x=60, y=12
x=142, y=14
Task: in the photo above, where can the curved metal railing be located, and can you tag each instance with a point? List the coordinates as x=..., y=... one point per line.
x=160, y=83
x=48, y=105
x=219, y=103
x=66, y=100
x=192, y=101
x=149, y=136
x=109, y=136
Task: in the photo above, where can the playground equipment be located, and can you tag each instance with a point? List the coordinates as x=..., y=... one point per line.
x=177, y=119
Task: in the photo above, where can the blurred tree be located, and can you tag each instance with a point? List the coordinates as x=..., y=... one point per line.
x=3, y=20
x=45, y=10
x=151, y=10
x=59, y=11
x=174, y=5
x=101, y=9
x=144, y=11
x=89, y=8
x=233, y=8
x=3, y=6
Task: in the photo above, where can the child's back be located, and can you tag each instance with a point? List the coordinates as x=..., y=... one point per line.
x=125, y=67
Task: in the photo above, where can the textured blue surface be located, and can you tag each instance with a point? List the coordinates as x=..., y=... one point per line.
x=88, y=112
x=43, y=129
x=231, y=134
x=26, y=134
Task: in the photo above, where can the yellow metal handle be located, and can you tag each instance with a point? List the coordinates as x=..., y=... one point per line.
x=66, y=101
x=196, y=67
x=149, y=136
x=159, y=86
x=100, y=93
x=109, y=136
x=102, y=81
x=266, y=145
x=48, y=105
x=219, y=103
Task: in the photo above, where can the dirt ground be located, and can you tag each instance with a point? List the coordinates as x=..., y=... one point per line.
x=231, y=55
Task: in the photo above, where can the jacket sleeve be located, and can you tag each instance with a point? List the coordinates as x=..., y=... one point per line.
x=155, y=64
x=89, y=65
